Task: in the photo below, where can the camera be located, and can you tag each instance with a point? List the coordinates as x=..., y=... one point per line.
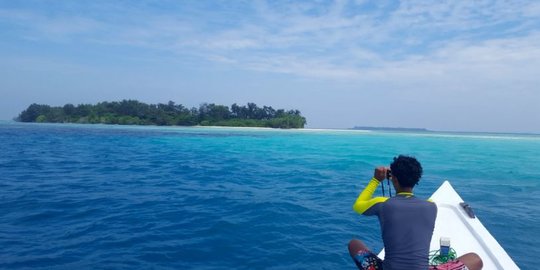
x=388, y=174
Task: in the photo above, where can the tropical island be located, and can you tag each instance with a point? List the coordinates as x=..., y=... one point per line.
x=133, y=112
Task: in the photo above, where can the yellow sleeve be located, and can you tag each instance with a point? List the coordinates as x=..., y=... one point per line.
x=365, y=200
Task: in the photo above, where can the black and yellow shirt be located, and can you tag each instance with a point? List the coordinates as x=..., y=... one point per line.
x=406, y=224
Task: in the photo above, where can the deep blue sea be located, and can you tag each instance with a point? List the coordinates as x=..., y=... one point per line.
x=120, y=197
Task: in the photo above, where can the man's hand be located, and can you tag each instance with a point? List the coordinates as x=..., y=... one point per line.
x=380, y=173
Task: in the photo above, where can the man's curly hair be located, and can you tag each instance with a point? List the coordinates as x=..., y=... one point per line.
x=407, y=170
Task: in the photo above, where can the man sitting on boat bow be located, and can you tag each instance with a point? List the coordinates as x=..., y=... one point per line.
x=407, y=223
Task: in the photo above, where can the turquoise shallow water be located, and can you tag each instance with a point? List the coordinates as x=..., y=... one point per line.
x=81, y=196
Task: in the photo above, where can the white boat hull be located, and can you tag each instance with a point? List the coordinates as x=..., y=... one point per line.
x=466, y=234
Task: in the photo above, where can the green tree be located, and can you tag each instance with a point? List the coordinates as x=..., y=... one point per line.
x=32, y=112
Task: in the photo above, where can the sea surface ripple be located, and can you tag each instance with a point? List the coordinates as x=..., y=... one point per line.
x=102, y=197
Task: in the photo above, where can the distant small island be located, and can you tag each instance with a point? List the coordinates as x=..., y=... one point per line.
x=392, y=129
x=133, y=112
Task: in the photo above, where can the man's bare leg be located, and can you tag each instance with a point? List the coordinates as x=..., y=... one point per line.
x=356, y=245
x=472, y=261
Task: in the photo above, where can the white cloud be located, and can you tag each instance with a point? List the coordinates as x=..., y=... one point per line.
x=405, y=40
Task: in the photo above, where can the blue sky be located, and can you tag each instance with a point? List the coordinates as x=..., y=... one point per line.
x=441, y=65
